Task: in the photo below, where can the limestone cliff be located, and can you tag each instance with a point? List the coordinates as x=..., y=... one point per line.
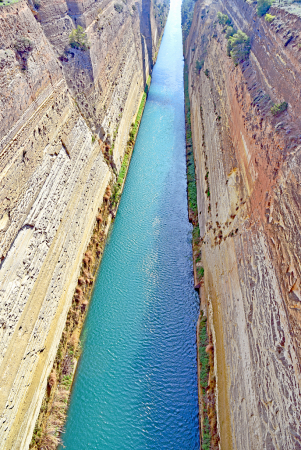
x=248, y=194
x=65, y=117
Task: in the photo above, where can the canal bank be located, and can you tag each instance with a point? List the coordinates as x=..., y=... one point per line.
x=52, y=417
x=136, y=384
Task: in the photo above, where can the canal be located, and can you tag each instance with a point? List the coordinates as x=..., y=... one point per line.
x=136, y=383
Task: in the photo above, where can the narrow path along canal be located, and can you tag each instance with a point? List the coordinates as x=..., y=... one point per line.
x=136, y=384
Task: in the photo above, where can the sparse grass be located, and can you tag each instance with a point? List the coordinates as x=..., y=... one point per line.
x=204, y=358
x=200, y=272
x=196, y=234
x=67, y=381
x=191, y=180
x=204, y=374
x=206, y=435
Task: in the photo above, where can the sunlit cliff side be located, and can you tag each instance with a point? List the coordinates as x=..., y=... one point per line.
x=249, y=196
x=65, y=116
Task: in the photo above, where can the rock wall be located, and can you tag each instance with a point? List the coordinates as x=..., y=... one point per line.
x=60, y=108
x=248, y=182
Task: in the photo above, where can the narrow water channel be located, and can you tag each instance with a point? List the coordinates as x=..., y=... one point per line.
x=136, y=384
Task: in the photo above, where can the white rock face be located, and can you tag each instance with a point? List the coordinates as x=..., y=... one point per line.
x=56, y=109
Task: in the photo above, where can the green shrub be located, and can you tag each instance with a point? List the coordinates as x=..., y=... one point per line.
x=200, y=272
x=23, y=45
x=134, y=7
x=204, y=357
x=239, y=47
x=207, y=73
x=196, y=233
x=118, y=7
x=187, y=9
x=78, y=39
x=67, y=381
x=279, y=108
x=269, y=17
x=199, y=65
x=223, y=19
x=263, y=6
x=229, y=32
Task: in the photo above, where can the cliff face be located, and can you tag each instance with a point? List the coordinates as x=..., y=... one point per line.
x=248, y=183
x=61, y=110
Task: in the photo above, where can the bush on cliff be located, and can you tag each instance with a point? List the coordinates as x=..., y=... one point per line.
x=263, y=6
x=279, y=108
x=229, y=32
x=239, y=47
x=223, y=19
x=78, y=39
x=269, y=18
x=199, y=65
x=23, y=47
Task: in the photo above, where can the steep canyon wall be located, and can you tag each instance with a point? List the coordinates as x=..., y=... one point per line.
x=248, y=193
x=65, y=118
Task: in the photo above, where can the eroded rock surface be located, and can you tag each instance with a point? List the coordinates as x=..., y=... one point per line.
x=59, y=106
x=248, y=176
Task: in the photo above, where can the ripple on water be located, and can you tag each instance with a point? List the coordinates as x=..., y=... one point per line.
x=136, y=385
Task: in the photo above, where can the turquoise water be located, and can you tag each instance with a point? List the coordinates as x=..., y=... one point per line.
x=136, y=384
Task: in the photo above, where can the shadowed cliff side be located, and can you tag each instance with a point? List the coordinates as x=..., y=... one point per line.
x=247, y=156
x=66, y=111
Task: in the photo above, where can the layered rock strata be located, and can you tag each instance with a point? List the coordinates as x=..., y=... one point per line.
x=248, y=179
x=60, y=107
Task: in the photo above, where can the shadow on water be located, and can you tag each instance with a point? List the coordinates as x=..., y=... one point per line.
x=146, y=36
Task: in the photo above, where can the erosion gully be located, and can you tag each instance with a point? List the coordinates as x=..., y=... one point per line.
x=136, y=383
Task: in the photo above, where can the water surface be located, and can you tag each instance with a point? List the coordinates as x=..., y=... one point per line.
x=136, y=384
